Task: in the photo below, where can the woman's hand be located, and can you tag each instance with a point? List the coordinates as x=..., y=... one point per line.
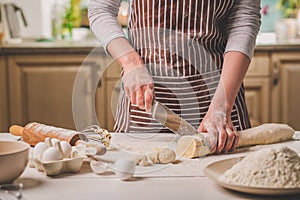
x=139, y=87
x=136, y=80
x=217, y=121
x=218, y=124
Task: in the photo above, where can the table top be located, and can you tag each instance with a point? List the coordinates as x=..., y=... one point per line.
x=87, y=185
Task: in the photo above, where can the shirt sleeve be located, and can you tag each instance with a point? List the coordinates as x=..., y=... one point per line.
x=244, y=23
x=102, y=16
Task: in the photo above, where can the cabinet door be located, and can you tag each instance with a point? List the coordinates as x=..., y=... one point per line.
x=113, y=90
x=3, y=96
x=41, y=89
x=257, y=100
x=257, y=89
x=110, y=83
x=288, y=88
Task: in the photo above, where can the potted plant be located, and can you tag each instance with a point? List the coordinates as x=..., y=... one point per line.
x=289, y=8
x=286, y=28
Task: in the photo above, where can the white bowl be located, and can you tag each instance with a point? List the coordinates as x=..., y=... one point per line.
x=13, y=158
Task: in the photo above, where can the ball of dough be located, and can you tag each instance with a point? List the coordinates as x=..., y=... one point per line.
x=166, y=156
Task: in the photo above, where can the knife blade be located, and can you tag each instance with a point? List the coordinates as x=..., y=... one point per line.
x=171, y=120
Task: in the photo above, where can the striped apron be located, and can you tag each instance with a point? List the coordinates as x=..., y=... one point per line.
x=182, y=43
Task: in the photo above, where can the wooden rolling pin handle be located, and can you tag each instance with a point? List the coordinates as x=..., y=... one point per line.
x=16, y=130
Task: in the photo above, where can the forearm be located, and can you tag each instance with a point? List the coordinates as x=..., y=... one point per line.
x=125, y=54
x=137, y=82
x=234, y=69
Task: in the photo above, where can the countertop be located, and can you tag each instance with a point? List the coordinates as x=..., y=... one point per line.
x=265, y=42
x=30, y=46
x=87, y=185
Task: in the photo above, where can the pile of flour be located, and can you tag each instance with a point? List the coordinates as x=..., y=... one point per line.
x=271, y=168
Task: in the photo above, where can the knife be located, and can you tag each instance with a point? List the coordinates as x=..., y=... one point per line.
x=171, y=120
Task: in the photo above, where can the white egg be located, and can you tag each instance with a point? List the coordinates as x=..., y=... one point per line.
x=66, y=149
x=54, y=141
x=48, y=142
x=75, y=153
x=98, y=167
x=124, y=168
x=100, y=148
x=39, y=149
x=91, y=151
x=51, y=154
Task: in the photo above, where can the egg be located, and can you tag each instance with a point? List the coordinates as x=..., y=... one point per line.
x=66, y=149
x=54, y=141
x=124, y=168
x=95, y=148
x=48, y=142
x=38, y=150
x=100, y=148
x=98, y=167
x=51, y=154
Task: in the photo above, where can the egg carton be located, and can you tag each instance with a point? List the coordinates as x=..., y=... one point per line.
x=54, y=157
x=53, y=168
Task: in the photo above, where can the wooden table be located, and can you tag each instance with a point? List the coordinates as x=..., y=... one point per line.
x=86, y=185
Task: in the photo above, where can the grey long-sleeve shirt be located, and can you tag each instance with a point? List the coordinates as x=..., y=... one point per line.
x=242, y=24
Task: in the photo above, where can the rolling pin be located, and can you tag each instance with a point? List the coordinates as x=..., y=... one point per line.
x=34, y=133
x=193, y=146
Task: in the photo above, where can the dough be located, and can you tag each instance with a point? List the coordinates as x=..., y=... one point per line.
x=142, y=160
x=192, y=146
x=158, y=156
x=272, y=168
x=265, y=134
x=166, y=156
x=153, y=156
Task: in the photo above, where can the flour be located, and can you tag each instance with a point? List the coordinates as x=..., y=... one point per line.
x=270, y=168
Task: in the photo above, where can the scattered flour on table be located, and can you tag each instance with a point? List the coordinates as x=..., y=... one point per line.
x=271, y=168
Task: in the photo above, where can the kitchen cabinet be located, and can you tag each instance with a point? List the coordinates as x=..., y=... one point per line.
x=257, y=84
x=60, y=86
x=108, y=94
x=41, y=87
x=112, y=89
x=4, y=114
x=286, y=92
x=37, y=82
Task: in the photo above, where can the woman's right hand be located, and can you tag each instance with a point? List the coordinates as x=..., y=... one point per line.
x=136, y=80
x=139, y=87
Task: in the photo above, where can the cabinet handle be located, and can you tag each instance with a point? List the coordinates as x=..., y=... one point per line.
x=117, y=89
x=275, y=74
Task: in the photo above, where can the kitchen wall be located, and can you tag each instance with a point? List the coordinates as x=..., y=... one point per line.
x=269, y=15
x=38, y=14
x=38, y=17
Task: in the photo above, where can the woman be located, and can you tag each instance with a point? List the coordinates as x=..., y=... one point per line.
x=190, y=55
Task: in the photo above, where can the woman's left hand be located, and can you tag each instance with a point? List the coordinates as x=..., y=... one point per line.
x=218, y=124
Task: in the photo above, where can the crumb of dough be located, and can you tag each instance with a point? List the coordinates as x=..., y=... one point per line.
x=142, y=160
x=269, y=168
